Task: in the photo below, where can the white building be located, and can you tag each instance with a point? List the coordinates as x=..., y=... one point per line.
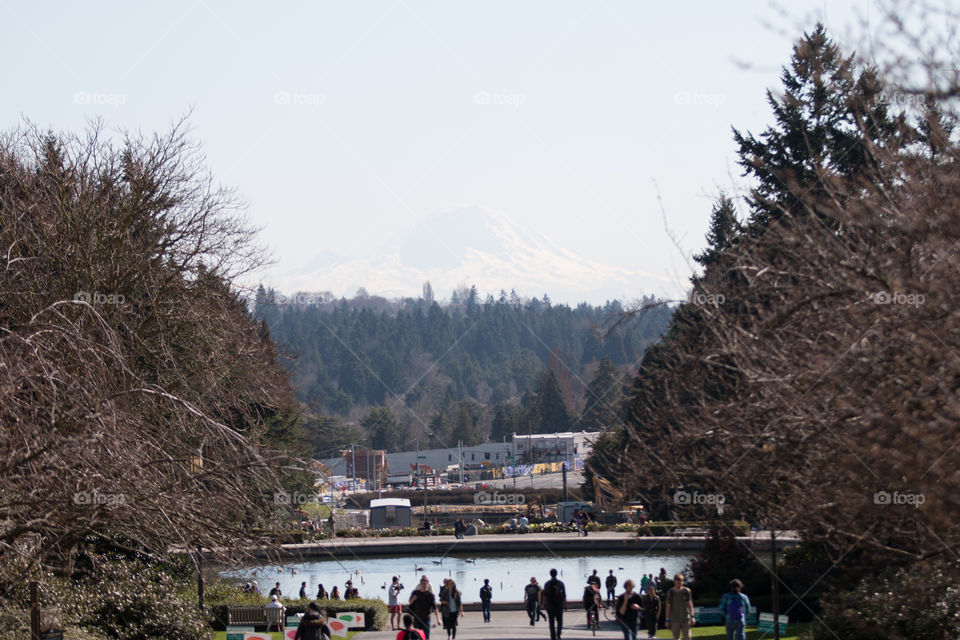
x=567, y=447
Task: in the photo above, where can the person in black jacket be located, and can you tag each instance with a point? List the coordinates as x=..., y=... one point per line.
x=627, y=609
x=611, y=587
x=555, y=602
x=422, y=604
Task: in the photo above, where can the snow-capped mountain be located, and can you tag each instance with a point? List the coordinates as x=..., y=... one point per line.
x=472, y=246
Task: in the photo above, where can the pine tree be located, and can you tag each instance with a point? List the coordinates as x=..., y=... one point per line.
x=826, y=120
x=602, y=398
x=723, y=231
x=384, y=430
x=550, y=411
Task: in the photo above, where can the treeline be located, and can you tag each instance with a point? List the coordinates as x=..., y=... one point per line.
x=385, y=372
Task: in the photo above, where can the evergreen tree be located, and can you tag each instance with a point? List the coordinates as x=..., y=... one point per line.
x=602, y=398
x=549, y=412
x=723, y=231
x=826, y=119
x=384, y=430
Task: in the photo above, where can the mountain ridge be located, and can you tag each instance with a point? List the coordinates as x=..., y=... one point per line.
x=471, y=245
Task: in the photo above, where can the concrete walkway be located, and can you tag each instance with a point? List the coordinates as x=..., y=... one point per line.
x=514, y=625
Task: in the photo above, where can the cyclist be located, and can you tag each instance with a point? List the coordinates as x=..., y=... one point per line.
x=592, y=602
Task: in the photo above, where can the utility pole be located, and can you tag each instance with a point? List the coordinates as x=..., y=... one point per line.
x=353, y=466
x=776, y=585
x=460, y=446
x=564, y=481
x=514, y=461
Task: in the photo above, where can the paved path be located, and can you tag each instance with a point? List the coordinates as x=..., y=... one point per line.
x=510, y=625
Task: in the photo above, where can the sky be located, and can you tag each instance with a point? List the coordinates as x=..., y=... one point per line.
x=604, y=124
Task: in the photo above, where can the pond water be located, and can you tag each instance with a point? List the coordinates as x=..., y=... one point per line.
x=508, y=574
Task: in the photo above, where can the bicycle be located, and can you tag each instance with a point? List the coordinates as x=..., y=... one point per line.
x=593, y=620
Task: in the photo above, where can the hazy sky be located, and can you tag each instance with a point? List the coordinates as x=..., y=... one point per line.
x=341, y=123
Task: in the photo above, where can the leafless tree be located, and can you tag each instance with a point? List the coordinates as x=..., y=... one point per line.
x=138, y=400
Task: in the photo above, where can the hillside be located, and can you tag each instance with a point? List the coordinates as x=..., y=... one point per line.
x=451, y=369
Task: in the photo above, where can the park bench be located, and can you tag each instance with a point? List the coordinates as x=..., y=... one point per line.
x=267, y=616
x=690, y=531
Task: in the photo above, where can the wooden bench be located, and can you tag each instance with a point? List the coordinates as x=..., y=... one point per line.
x=267, y=616
x=690, y=531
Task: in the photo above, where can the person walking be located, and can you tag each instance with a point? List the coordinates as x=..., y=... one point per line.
x=322, y=593
x=275, y=592
x=486, y=597
x=303, y=590
x=312, y=625
x=408, y=632
x=422, y=604
x=680, y=609
x=531, y=596
x=335, y=594
x=451, y=609
x=393, y=602
x=734, y=606
x=651, y=610
x=555, y=602
x=627, y=609
x=611, y=584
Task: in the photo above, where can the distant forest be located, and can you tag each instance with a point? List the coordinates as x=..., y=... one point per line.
x=383, y=372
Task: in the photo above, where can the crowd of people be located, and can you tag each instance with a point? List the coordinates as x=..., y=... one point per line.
x=658, y=602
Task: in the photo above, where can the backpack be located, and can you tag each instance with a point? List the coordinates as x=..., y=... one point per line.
x=412, y=634
x=552, y=592
x=486, y=593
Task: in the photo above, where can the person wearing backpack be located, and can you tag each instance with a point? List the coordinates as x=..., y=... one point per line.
x=735, y=606
x=408, y=632
x=555, y=602
x=486, y=596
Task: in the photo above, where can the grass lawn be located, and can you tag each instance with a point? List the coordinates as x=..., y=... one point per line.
x=719, y=633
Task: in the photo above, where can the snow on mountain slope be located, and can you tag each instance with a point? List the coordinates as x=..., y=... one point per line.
x=473, y=246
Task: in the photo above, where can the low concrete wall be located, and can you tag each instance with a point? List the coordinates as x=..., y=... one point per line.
x=507, y=543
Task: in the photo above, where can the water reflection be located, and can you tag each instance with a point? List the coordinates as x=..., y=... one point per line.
x=507, y=573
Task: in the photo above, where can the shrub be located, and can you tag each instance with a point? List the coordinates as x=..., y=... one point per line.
x=921, y=601
x=375, y=611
